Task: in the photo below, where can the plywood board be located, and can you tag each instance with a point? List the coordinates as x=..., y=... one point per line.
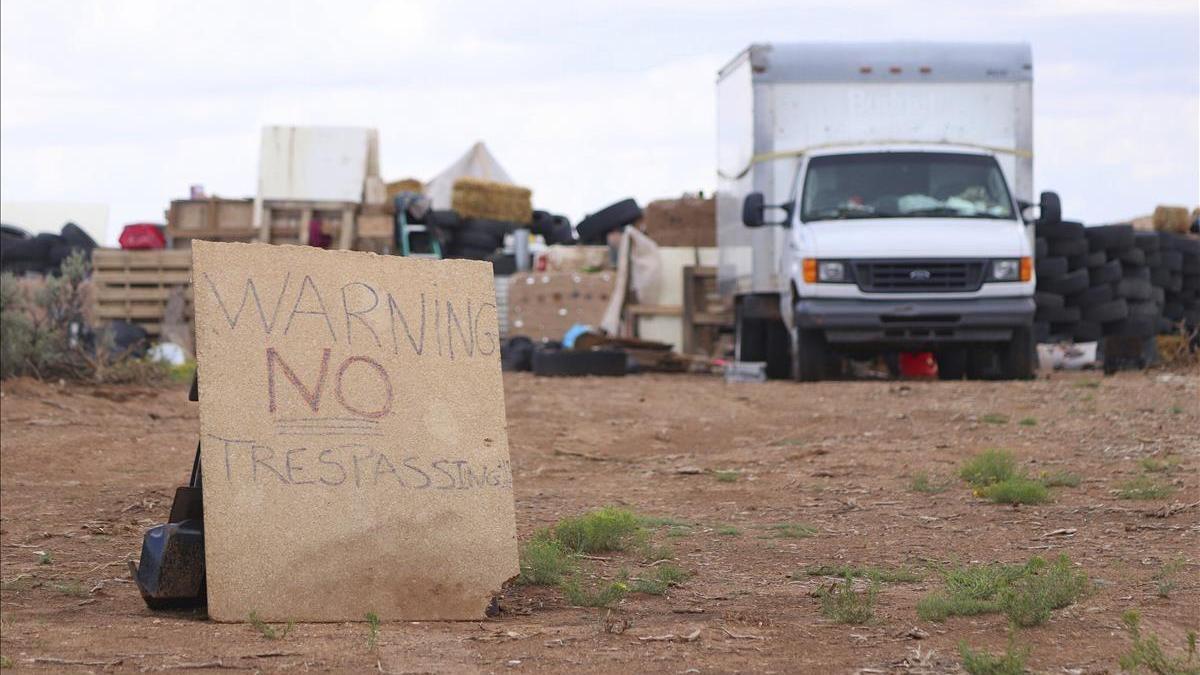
x=353, y=437
x=543, y=305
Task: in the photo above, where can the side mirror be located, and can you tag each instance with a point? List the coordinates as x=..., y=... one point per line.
x=752, y=210
x=1050, y=208
x=1023, y=208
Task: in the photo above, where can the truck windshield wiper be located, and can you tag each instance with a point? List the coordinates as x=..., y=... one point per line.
x=842, y=212
x=938, y=211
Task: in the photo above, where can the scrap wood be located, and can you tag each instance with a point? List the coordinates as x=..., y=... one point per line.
x=671, y=637
x=1061, y=532
x=52, y=660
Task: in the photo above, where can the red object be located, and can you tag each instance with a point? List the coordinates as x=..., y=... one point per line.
x=316, y=237
x=142, y=237
x=918, y=364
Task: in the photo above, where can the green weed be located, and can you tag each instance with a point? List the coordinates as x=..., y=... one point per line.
x=544, y=562
x=45, y=557
x=994, y=418
x=603, y=530
x=1016, y=491
x=979, y=662
x=73, y=589
x=1143, y=487
x=662, y=521
x=1146, y=653
x=1164, y=579
x=663, y=578
x=988, y=467
x=842, y=604
x=1152, y=465
x=1025, y=593
x=1176, y=410
x=1087, y=384
x=928, y=484
x=728, y=531
x=726, y=476
x=582, y=594
x=882, y=574
x=267, y=630
x=6, y=662
x=1028, y=422
x=679, y=531
x=372, y=631
x=651, y=553
x=1060, y=479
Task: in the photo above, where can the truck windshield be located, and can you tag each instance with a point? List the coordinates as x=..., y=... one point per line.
x=905, y=185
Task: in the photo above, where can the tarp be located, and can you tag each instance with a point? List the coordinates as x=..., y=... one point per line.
x=478, y=162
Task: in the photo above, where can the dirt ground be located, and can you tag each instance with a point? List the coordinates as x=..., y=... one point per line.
x=85, y=470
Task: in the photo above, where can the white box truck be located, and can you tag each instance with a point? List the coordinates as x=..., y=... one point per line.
x=872, y=199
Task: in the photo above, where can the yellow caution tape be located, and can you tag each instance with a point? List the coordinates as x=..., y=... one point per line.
x=784, y=154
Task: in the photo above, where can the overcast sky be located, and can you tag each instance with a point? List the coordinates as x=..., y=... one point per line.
x=129, y=102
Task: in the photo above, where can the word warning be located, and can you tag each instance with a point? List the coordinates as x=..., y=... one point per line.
x=353, y=438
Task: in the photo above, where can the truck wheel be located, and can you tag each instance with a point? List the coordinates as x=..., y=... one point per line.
x=952, y=363
x=1017, y=360
x=779, y=351
x=750, y=339
x=812, y=355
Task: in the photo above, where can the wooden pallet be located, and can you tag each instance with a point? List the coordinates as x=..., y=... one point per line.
x=706, y=314
x=134, y=286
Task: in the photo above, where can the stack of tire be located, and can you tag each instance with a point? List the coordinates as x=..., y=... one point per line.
x=1178, y=275
x=1133, y=308
x=478, y=238
x=22, y=253
x=1071, y=281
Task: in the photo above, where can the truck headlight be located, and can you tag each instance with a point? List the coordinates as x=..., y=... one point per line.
x=831, y=271
x=1012, y=269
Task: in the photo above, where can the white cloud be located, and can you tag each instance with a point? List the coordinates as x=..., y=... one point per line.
x=129, y=102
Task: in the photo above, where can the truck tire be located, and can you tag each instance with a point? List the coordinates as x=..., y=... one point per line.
x=1110, y=237
x=1096, y=258
x=1019, y=358
x=1134, y=289
x=1107, y=312
x=779, y=351
x=1061, y=230
x=1131, y=256
x=1092, y=296
x=1048, y=300
x=812, y=355
x=951, y=363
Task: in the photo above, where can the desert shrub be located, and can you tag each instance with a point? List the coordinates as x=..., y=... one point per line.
x=979, y=662
x=1016, y=491
x=988, y=467
x=843, y=604
x=544, y=562
x=44, y=333
x=1145, y=654
x=606, y=529
x=1025, y=593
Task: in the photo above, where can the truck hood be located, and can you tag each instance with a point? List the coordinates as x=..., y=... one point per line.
x=914, y=238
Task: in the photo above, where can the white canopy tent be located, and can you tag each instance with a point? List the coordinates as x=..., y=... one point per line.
x=478, y=162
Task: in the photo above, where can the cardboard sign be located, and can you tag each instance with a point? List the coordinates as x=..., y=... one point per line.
x=353, y=438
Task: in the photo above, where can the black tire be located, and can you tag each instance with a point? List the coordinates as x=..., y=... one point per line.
x=1041, y=248
x=36, y=249
x=1158, y=295
x=1019, y=358
x=1110, y=236
x=1147, y=241
x=1153, y=258
x=951, y=363
x=750, y=338
x=812, y=356
x=1048, y=300
x=551, y=362
x=503, y=264
x=74, y=235
x=1087, y=331
x=779, y=351
x=1106, y=312
x=516, y=354
x=1160, y=276
x=1060, y=315
x=1172, y=260
x=1147, y=308
x=1108, y=273
x=1096, y=258
x=470, y=253
x=1135, y=272
x=1173, y=310
x=446, y=219
x=1061, y=230
x=477, y=238
x=594, y=228
x=1051, y=208
x=1092, y=296
x=1134, y=289
x=13, y=232
x=1050, y=267
x=1068, y=284
x=1069, y=247
x=1174, y=283
x=1131, y=256
x=1132, y=327
x=1041, y=332
x=561, y=235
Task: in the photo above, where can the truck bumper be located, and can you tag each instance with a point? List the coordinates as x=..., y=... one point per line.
x=915, y=323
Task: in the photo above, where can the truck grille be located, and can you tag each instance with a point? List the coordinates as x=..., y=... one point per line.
x=919, y=276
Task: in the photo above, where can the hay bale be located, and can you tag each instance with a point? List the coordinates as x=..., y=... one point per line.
x=478, y=198
x=1171, y=219
x=404, y=185
x=687, y=221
